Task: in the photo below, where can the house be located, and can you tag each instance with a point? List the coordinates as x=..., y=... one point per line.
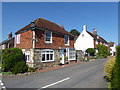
x=9, y=43
x=45, y=44
x=89, y=40
x=112, y=48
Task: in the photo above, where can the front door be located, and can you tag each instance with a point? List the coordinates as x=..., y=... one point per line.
x=62, y=56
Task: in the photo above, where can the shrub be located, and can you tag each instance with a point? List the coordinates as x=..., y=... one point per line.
x=91, y=51
x=115, y=80
x=10, y=58
x=102, y=51
x=31, y=69
x=20, y=67
x=109, y=67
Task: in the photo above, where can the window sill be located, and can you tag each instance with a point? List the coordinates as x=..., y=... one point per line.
x=71, y=59
x=48, y=42
x=66, y=44
x=48, y=61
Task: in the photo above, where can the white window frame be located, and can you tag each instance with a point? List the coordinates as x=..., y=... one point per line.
x=27, y=53
x=18, y=38
x=96, y=42
x=68, y=39
x=69, y=54
x=3, y=46
x=50, y=37
x=44, y=51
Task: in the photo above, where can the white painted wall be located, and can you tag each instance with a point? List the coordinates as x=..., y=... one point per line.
x=113, y=50
x=84, y=42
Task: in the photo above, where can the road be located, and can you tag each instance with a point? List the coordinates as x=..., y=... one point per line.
x=85, y=75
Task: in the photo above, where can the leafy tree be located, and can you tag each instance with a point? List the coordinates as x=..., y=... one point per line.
x=91, y=51
x=75, y=32
x=10, y=57
x=102, y=51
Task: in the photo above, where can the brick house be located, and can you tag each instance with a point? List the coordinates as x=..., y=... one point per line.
x=9, y=43
x=45, y=44
x=89, y=40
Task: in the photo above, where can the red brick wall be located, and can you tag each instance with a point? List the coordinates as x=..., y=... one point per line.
x=57, y=41
x=25, y=40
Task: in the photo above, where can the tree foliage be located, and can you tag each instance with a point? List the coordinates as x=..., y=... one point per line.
x=75, y=32
x=11, y=57
x=91, y=51
x=102, y=51
x=115, y=81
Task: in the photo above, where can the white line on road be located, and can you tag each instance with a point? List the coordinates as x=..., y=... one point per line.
x=56, y=82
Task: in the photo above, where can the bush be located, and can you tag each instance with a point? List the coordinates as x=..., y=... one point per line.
x=30, y=69
x=109, y=67
x=20, y=67
x=102, y=51
x=91, y=51
x=10, y=58
x=115, y=80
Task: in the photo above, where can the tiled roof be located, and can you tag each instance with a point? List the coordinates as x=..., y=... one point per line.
x=110, y=44
x=6, y=41
x=48, y=25
x=95, y=37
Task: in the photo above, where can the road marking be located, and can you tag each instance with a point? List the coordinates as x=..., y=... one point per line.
x=56, y=82
x=2, y=85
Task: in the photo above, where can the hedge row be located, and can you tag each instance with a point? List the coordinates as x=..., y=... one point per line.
x=112, y=69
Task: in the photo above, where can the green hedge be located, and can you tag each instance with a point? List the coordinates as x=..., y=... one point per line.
x=12, y=57
x=102, y=51
x=115, y=81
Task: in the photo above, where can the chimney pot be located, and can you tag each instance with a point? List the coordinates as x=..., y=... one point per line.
x=10, y=35
x=95, y=31
x=84, y=27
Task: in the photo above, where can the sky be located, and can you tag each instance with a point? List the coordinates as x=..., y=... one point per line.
x=73, y=15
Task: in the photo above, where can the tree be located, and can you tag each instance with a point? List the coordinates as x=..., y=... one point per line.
x=102, y=51
x=75, y=32
x=91, y=51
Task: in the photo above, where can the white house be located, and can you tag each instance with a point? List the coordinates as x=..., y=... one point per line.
x=88, y=40
x=112, y=48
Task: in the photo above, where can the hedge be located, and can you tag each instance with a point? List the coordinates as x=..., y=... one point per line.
x=115, y=81
x=10, y=58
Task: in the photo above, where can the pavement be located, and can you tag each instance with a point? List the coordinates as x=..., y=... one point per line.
x=79, y=75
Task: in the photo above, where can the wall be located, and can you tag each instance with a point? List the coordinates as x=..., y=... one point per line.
x=57, y=41
x=25, y=40
x=40, y=65
x=83, y=43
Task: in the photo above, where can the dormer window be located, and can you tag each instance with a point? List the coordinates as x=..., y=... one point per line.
x=66, y=38
x=48, y=37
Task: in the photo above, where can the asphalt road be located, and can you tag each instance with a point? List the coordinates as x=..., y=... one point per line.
x=85, y=75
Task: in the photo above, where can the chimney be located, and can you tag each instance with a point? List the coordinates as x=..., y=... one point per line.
x=84, y=27
x=32, y=24
x=62, y=26
x=10, y=35
x=95, y=32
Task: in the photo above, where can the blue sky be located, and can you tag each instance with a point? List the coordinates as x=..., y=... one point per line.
x=100, y=15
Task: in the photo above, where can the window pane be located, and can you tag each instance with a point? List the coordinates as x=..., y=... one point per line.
x=51, y=56
x=47, y=56
x=28, y=58
x=66, y=39
x=43, y=57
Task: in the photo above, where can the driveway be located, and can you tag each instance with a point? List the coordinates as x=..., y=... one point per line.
x=85, y=75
